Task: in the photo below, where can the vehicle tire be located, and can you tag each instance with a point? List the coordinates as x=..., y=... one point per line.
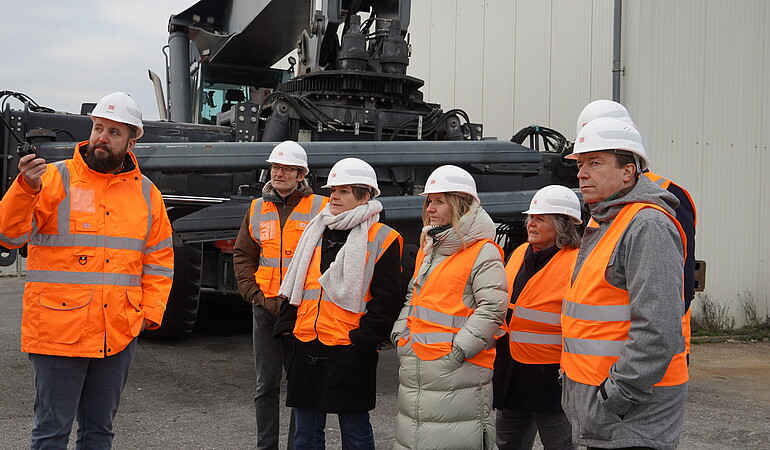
x=182, y=307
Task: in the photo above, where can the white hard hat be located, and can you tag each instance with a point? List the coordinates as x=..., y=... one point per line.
x=607, y=134
x=352, y=171
x=602, y=108
x=451, y=178
x=120, y=107
x=289, y=153
x=555, y=199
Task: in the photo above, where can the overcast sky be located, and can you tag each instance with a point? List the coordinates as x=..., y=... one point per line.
x=64, y=53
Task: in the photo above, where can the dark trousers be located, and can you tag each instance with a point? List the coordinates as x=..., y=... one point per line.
x=355, y=428
x=86, y=388
x=268, y=363
x=516, y=430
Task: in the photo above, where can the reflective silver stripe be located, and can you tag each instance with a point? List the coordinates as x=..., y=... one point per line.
x=361, y=310
x=315, y=208
x=14, y=242
x=88, y=240
x=660, y=181
x=593, y=347
x=537, y=316
x=268, y=262
x=270, y=215
x=375, y=251
x=165, y=243
x=605, y=313
x=255, y=218
x=114, y=279
x=153, y=269
x=311, y=294
x=63, y=210
x=432, y=338
x=437, y=317
x=525, y=337
x=146, y=193
x=301, y=217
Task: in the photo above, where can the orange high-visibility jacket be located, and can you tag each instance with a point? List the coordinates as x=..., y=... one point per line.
x=277, y=244
x=100, y=258
x=534, y=331
x=318, y=316
x=437, y=311
x=596, y=316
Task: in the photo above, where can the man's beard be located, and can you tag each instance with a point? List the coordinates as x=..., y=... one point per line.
x=103, y=162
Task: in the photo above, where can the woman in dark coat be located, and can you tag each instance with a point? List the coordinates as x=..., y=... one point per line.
x=343, y=293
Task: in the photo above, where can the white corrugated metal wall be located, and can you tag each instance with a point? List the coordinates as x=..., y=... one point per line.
x=696, y=80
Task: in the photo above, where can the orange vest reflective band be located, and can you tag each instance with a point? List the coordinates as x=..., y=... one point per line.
x=318, y=316
x=277, y=244
x=665, y=183
x=534, y=330
x=596, y=316
x=437, y=311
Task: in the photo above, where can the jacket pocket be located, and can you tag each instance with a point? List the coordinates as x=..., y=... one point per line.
x=134, y=312
x=63, y=315
x=269, y=280
x=599, y=423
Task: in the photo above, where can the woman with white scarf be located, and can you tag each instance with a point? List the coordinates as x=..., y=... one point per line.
x=445, y=334
x=342, y=294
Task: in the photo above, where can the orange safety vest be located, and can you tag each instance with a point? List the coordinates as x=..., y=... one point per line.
x=318, y=317
x=277, y=244
x=596, y=316
x=437, y=311
x=534, y=330
x=100, y=262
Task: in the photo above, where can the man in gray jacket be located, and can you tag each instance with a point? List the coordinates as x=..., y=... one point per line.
x=625, y=372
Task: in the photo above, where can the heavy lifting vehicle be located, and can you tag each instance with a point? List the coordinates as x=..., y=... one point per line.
x=347, y=93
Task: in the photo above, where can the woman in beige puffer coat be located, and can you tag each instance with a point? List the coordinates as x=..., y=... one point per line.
x=446, y=347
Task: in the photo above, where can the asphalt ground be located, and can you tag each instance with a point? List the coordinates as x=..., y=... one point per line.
x=198, y=393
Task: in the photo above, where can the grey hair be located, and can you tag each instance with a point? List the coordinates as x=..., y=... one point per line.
x=567, y=235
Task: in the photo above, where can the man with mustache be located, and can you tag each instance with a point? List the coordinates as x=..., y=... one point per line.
x=99, y=272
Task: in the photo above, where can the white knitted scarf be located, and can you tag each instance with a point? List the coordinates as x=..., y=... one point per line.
x=343, y=282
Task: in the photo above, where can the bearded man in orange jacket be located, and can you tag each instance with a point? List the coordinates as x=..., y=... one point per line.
x=99, y=272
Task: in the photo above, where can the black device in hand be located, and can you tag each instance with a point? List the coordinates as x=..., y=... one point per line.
x=25, y=148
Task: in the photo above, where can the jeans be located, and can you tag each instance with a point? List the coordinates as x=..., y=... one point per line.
x=86, y=388
x=515, y=430
x=355, y=428
x=268, y=364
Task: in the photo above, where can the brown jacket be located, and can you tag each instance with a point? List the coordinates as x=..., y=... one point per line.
x=246, y=251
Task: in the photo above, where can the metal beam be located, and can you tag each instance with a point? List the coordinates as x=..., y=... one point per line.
x=240, y=156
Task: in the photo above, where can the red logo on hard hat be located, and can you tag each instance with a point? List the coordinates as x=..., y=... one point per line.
x=334, y=175
x=280, y=153
x=111, y=107
x=582, y=139
x=432, y=181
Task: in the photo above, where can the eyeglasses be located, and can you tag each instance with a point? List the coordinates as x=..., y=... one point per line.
x=283, y=169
